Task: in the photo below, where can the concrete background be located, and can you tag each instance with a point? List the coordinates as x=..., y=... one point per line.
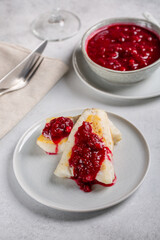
x=23, y=218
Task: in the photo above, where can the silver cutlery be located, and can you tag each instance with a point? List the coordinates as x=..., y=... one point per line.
x=24, y=80
x=20, y=76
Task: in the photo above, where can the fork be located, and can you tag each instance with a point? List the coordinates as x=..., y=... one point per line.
x=24, y=80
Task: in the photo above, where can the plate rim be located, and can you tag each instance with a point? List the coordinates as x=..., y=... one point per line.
x=108, y=94
x=45, y=203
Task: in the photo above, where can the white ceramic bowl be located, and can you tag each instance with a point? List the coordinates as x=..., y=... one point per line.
x=120, y=77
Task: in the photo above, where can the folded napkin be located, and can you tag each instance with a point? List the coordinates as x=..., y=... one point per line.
x=15, y=105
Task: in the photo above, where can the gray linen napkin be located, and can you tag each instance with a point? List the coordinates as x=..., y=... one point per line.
x=15, y=105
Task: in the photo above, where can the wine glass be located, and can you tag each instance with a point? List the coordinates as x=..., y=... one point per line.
x=56, y=25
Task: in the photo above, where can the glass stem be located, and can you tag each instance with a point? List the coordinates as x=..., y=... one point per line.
x=56, y=16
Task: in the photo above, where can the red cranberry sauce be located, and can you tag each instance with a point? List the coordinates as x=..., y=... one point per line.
x=123, y=47
x=57, y=129
x=49, y=153
x=87, y=156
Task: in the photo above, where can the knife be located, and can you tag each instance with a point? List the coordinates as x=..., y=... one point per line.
x=15, y=75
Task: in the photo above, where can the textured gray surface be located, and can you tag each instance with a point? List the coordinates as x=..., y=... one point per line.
x=23, y=218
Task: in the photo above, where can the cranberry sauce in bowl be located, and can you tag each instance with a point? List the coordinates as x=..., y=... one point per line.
x=122, y=50
x=123, y=47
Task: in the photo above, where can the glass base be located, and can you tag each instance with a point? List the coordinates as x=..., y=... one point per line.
x=56, y=27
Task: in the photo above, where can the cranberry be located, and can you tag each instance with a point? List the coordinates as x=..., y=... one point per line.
x=57, y=129
x=145, y=56
x=103, y=50
x=122, y=69
x=68, y=129
x=123, y=42
x=131, y=61
x=114, y=55
x=151, y=49
x=136, y=39
x=102, y=62
x=121, y=39
x=117, y=27
x=143, y=49
x=118, y=48
x=125, y=59
x=116, y=65
x=134, y=52
x=134, y=66
x=126, y=29
x=149, y=39
x=87, y=156
x=143, y=63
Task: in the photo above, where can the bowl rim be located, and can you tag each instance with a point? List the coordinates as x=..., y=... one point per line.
x=118, y=20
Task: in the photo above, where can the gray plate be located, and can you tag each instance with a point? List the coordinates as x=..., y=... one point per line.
x=148, y=88
x=34, y=170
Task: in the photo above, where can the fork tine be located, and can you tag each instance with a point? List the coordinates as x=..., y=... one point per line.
x=25, y=80
x=24, y=74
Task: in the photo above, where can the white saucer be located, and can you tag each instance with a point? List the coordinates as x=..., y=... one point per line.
x=34, y=170
x=148, y=88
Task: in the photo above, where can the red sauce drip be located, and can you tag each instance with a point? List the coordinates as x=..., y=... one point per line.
x=124, y=47
x=57, y=129
x=87, y=156
x=106, y=185
x=49, y=153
